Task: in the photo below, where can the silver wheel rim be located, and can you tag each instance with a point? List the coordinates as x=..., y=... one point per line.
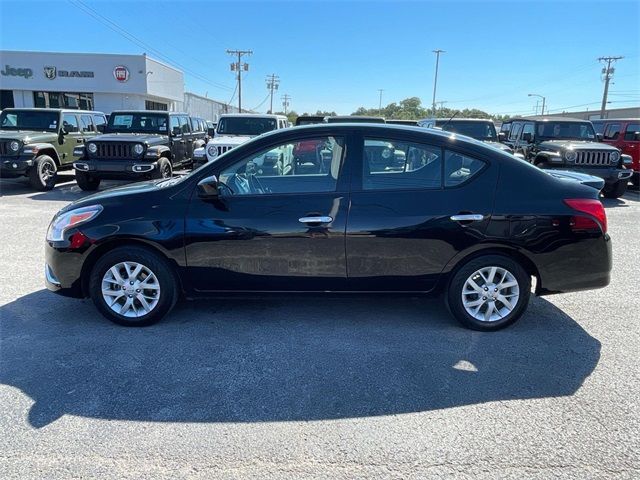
x=490, y=294
x=130, y=289
x=47, y=171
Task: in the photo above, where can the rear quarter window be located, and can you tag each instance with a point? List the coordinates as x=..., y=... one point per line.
x=459, y=168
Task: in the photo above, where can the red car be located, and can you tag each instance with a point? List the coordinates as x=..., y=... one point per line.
x=622, y=133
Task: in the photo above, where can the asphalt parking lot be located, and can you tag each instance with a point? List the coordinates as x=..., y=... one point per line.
x=320, y=387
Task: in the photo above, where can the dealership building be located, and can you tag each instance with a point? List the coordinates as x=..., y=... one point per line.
x=103, y=82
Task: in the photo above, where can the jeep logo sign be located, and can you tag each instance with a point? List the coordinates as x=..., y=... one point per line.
x=10, y=71
x=121, y=73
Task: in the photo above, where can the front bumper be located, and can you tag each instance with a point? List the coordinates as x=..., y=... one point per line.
x=63, y=271
x=116, y=169
x=610, y=175
x=12, y=167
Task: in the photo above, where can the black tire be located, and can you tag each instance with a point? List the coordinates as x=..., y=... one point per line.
x=86, y=182
x=43, y=173
x=168, y=293
x=453, y=296
x=164, y=169
x=616, y=190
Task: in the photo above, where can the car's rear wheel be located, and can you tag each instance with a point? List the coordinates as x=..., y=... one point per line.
x=43, y=173
x=132, y=286
x=164, y=169
x=616, y=190
x=87, y=182
x=489, y=292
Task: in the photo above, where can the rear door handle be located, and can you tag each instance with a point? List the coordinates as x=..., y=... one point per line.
x=320, y=219
x=470, y=217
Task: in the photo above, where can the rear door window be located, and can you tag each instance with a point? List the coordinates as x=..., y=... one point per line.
x=86, y=123
x=70, y=123
x=399, y=165
x=516, y=128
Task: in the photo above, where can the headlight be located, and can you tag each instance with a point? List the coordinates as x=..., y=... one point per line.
x=614, y=156
x=571, y=155
x=92, y=147
x=14, y=145
x=212, y=151
x=138, y=149
x=61, y=223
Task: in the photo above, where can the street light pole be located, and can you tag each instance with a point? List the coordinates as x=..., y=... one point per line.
x=544, y=99
x=380, y=102
x=435, y=80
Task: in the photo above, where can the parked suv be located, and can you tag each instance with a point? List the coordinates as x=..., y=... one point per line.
x=236, y=128
x=37, y=142
x=138, y=144
x=571, y=144
x=622, y=133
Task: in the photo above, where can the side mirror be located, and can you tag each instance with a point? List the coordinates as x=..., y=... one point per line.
x=527, y=137
x=208, y=187
x=64, y=131
x=211, y=132
x=598, y=137
x=176, y=131
x=501, y=136
x=636, y=137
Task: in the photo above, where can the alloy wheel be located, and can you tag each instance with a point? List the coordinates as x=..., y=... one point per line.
x=130, y=289
x=490, y=294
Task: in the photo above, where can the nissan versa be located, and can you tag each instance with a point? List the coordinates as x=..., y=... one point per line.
x=337, y=208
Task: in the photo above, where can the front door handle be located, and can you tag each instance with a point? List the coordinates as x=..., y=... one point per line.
x=319, y=219
x=469, y=217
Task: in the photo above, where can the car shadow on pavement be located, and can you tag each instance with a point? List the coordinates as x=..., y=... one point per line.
x=282, y=359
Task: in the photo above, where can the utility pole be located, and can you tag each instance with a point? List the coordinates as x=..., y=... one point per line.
x=441, y=103
x=239, y=67
x=380, y=90
x=272, y=84
x=285, y=102
x=608, y=74
x=435, y=80
x=544, y=101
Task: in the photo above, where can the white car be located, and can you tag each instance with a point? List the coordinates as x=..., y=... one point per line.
x=234, y=129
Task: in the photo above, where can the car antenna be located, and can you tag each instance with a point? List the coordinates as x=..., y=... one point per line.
x=452, y=117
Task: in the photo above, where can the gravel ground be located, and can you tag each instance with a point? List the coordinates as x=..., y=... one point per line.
x=320, y=387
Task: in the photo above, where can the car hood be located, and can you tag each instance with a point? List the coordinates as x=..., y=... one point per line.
x=229, y=139
x=571, y=176
x=27, y=136
x=576, y=145
x=147, y=138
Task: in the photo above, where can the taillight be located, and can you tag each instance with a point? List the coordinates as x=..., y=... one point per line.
x=596, y=216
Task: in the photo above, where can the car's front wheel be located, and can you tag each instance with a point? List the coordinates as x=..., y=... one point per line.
x=616, y=190
x=133, y=286
x=43, y=173
x=86, y=182
x=489, y=292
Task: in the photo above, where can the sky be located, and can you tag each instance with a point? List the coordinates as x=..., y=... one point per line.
x=336, y=55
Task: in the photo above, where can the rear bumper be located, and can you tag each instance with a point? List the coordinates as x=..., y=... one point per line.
x=116, y=169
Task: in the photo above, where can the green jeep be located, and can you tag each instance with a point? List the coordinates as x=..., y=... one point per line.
x=37, y=142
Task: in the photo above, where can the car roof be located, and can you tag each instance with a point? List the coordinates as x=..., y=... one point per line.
x=257, y=115
x=453, y=120
x=355, y=118
x=65, y=110
x=603, y=120
x=540, y=118
x=163, y=112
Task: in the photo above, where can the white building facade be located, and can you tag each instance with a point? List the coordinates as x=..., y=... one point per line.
x=91, y=81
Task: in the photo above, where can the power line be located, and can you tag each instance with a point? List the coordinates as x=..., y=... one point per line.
x=261, y=103
x=132, y=38
x=239, y=67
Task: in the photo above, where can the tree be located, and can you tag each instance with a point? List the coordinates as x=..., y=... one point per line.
x=291, y=116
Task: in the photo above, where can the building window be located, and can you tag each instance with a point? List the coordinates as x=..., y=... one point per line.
x=6, y=101
x=150, y=105
x=82, y=101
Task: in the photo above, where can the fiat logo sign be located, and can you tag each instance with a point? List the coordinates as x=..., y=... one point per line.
x=121, y=73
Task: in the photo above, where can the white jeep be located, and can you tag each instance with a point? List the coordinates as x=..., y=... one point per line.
x=234, y=129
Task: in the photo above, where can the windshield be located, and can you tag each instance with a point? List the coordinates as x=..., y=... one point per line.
x=134, y=122
x=29, y=120
x=565, y=130
x=477, y=130
x=245, y=125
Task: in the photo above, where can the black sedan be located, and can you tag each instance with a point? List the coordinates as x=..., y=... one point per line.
x=336, y=208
